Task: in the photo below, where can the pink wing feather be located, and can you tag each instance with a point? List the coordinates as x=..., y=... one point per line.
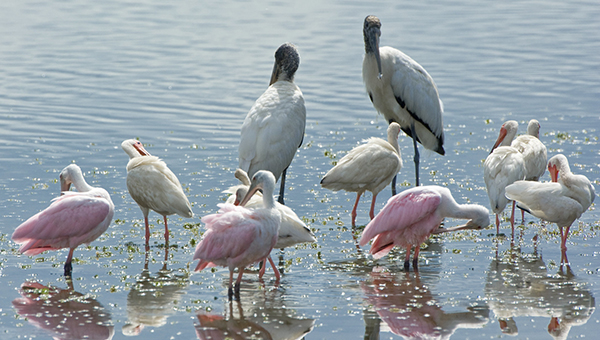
x=229, y=233
x=70, y=220
x=402, y=211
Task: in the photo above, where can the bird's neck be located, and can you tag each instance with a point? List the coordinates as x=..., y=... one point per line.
x=81, y=185
x=468, y=211
x=268, y=201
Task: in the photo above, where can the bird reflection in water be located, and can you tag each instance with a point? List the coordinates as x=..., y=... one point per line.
x=63, y=313
x=409, y=309
x=153, y=298
x=519, y=285
x=265, y=316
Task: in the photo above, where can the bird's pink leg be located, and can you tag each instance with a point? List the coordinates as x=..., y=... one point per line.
x=263, y=268
x=68, y=266
x=147, y=233
x=354, y=209
x=166, y=230
x=563, y=243
x=497, y=224
x=407, y=259
x=372, y=212
x=275, y=270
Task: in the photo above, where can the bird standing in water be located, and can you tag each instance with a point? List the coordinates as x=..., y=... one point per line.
x=274, y=127
x=403, y=92
x=410, y=217
x=238, y=237
x=370, y=166
x=153, y=186
x=71, y=219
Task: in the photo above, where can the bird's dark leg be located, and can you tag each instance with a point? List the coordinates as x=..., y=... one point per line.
x=68, y=269
x=416, y=159
x=394, y=185
x=68, y=266
x=416, y=257
x=282, y=187
x=238, y=283
x=407, y=259
x=230, y=290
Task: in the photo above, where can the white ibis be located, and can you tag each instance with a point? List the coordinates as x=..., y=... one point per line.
x=502, y=167
x=153, y=186
x=367, y=167
x=561, y=201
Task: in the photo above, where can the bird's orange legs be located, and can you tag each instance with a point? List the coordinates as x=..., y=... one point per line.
x=354, y=209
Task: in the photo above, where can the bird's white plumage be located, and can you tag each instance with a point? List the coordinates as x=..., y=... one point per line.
x=292, y=230
x=370, y=166
x=502, y=167
x=533, y=150
x=273, y=129
x=154, y=186
x=548, y=201
x=405, y=79
x=367, y=167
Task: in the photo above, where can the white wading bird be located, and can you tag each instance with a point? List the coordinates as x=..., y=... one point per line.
x=153, y=186
x=503, y=166
x=274, y=128
x=534, y=153
x=562, y=201
x=370, y=166
x=403, y=92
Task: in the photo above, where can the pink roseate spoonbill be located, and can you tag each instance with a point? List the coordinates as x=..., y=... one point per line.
x=370, y=166
x=403, y=92
x=292, y=230
x=274, y=127
x=561, y=201
x=238, y=236
x=534, y=153
x=153, y=186
x=411, y=216
x=71, y=219
x=502, y=167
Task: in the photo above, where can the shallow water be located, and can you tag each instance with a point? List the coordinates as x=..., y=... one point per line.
x=77, y=78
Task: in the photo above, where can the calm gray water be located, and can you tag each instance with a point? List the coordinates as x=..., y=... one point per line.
x=78, y=77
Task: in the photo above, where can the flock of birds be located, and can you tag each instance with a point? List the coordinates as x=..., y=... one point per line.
x=251, y=223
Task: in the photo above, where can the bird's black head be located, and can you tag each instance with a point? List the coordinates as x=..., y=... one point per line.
x=371, y=32
x=287, y=61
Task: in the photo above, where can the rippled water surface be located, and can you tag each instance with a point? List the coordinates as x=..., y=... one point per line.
x=78, y=77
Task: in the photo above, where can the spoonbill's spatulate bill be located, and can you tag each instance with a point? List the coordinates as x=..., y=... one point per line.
x=153, y=186
x=403, y=92
x=274, y=128
x=561, y=201
x=502, y=167
x=71, y=219
x=367, y=167
x=237, y=237
x=411, y=216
